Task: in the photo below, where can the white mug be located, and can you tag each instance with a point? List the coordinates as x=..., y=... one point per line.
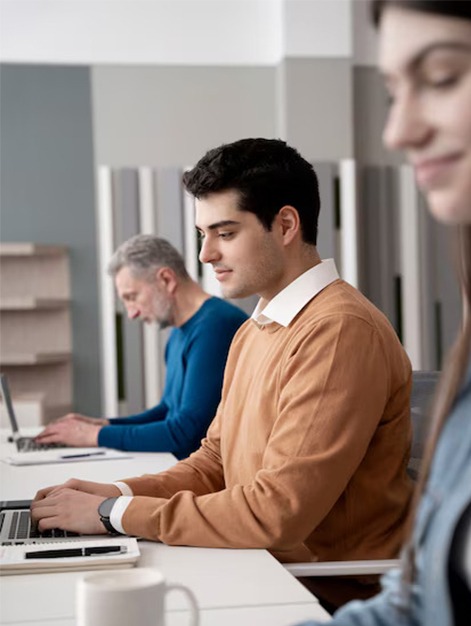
x=127, y=597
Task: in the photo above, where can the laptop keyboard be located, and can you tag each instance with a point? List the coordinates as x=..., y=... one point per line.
x=21, y=529
x=26, y=444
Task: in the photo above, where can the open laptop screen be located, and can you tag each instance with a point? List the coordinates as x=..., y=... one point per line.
x=5, y=391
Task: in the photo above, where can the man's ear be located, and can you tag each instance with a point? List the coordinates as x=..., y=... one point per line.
x=167, y=279
x=289, y=223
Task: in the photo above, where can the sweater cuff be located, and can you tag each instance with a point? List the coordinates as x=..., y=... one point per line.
x=124, y=488
x=117, y=513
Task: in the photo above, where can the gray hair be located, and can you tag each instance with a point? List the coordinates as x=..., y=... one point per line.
x=144, y=253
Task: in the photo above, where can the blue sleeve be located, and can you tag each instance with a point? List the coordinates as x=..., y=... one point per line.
x=388, y=608
x=185, y=424
x=133, y=431
x=155, y=414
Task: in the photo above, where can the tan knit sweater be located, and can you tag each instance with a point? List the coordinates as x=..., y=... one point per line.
x=307, y=453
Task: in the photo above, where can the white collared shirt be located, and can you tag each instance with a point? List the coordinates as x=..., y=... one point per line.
x=284, y=307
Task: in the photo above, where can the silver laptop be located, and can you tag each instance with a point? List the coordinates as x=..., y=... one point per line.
x=16, y=527
x=23, y=444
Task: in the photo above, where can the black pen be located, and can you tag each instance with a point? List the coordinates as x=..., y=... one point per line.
x=66, y=552
x=82, y=455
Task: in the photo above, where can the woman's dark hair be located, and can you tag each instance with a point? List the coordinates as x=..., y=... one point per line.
x=447, y=8
x=458, y=358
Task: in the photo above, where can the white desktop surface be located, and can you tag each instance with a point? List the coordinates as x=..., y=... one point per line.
x=282, y=615
x=231, y=586
x=218, y=578
x=23, y=481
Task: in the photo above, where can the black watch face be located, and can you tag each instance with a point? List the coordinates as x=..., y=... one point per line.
x=105, y=507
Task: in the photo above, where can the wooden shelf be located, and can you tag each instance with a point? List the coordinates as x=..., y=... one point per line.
x=35, y=329
x=34, y=358
x=30, y=303
x=29, y=249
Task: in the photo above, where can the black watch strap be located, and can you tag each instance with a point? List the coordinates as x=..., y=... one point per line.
x=104, y=511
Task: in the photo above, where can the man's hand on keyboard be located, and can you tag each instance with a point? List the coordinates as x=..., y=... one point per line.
x=106, y=490
x=68, y=509
x=73, y=430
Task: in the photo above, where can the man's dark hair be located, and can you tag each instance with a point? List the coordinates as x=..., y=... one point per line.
x=447, y=8
x=267, y=174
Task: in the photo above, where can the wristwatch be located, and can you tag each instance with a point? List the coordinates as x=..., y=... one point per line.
x=104, y=511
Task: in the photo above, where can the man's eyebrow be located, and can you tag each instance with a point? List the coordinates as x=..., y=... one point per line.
x=220, y=224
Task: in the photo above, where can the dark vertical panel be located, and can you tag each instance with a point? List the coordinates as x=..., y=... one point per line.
x=427, y=249
x=47, y=192
x=168, y=198
x=327, y=234
x=169, y=205
x=448, y=305
x=118, y=235
x=126, y=208
x=378, y=232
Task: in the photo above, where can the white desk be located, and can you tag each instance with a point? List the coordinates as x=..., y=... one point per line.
x=231, y=586
x=21, y=482
x=282, y=615
x=222, y=580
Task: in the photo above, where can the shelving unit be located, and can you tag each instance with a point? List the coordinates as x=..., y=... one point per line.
x=35, y=330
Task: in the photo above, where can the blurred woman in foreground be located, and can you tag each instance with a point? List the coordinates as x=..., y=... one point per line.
x=425, y=57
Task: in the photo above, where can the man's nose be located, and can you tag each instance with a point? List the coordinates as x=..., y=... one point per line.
x=133, y=312
x=209, y=252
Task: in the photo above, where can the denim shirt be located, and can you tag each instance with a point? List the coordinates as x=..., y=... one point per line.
x=446, y=497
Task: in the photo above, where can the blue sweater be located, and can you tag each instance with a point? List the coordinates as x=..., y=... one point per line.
x=195, y=357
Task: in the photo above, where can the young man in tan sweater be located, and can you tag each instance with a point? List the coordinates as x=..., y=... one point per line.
x=307, y=453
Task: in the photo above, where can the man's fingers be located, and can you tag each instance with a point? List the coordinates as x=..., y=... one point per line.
x=50, y=434
x=43, y=493
x=69, y=509
x=50, y=437
x=44, y=516
x=72, y=432
x=58, y=432
x=69, y=416
x=71, y=484
x=106, y=490
x=43, y=509
x=48, y=506
x=44, y=433
x=52, y=427
x=48, y=523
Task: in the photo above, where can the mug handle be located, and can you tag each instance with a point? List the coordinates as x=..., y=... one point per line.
x=194, y=609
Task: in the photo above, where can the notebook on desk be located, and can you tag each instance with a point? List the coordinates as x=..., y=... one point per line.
x=23, y=549
x=60, y=455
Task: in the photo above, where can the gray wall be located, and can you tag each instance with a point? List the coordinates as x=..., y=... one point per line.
x=370, y=105
x=47, y=192
x=315, y=107
x=171, y=115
